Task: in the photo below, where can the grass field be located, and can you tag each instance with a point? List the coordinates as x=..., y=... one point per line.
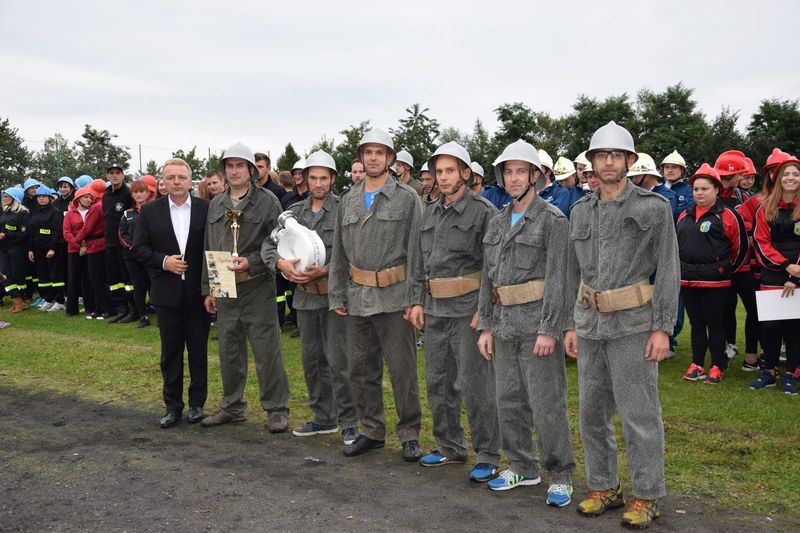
x=725, y=444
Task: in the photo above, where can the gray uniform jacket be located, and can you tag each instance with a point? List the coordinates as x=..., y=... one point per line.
x=451, y=245
x=618, y=243
x=260, y=209
x=381, y=238
x=323, y=223
x=534, y=248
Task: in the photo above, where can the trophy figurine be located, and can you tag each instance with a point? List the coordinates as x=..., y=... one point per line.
x=234, y=218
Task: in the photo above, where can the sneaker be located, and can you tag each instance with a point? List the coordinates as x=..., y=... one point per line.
x=731, y=351
x=714, y=376
x=278, y=423
x=508, y=480
x=789, y=384
x=598, y=502
x=56, y=307
x=312, y=428
x=639, y=514
x=436, y=458
x=765, y=379
x=349, y=435
x=45, y=305
x=38, y=302
x=483, y=472
x=694, y=373
x=752, y=367
x=559, y=495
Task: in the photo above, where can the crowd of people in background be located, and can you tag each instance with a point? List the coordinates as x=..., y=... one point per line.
x=481, y=268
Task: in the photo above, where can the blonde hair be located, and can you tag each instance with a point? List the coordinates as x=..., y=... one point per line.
x=177, y=161
x=771, y=203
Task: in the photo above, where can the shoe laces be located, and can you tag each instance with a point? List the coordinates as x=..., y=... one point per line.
x=506, y=475
x=714, y=373
x=600, y=494
x=638, y=505
x=694, y=367
x=559, y=488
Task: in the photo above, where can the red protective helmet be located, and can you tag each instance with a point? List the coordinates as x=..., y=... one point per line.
x=777, y=157
x=751, y=168
x=709, y=172
x=150, y=181
x=788, y=161
x=731, y=162
x=98, y=188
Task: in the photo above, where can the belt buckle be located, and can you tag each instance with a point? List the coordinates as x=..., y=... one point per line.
x=586, y=298
x=378, y=279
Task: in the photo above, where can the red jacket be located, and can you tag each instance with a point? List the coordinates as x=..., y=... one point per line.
x=777, y=245
x=93, y=229
x=73, y=222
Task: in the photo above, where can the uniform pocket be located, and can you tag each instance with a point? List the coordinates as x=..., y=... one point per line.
x=426, y=239
x=528, y=248
x=460, y=238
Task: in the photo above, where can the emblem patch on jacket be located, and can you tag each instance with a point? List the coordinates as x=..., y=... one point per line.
x=705, y=226
x=797, y=228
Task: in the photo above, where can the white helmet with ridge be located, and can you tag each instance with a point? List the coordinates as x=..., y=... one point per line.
x=545, y=159
x=674, y=159
x=644, y=166
x=581, y=159
x=452, y=149
x=612, y=136
x=403, y=156
x=517, y=151
x=563, y=169
x=320, y=158
x=242, y=152
x=477, y=169
x=377, y=136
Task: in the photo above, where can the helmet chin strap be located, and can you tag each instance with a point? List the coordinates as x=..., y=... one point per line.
x=521, y=196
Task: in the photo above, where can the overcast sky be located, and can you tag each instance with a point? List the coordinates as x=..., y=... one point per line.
x=169, y=75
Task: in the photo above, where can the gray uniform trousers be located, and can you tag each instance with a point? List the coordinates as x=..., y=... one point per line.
x=322, y=345
x=454, y=369
x=532, y=394
x=251, y=317
x=614, y=376
x=398, y=346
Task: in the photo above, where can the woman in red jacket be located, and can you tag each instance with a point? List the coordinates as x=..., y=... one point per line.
x=777, y=243
x=92, y=235
x=712, y=243
x=78, y=282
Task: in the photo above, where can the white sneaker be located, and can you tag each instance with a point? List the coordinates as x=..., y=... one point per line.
x=56, y=307
x=731, y=351
x=45, y=306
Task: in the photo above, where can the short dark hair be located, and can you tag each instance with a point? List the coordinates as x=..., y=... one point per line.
x=261, y=156
x=354, y=161
x=217, y=173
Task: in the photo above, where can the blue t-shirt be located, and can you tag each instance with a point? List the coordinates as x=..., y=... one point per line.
x=515, y=218
x=369, y=197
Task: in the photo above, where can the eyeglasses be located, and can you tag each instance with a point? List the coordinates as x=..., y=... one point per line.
x=614, y=154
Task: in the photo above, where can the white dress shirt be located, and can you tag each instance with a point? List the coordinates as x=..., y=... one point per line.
x=180, y=216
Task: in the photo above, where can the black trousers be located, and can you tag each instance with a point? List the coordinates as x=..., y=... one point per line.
x=184, y=325
x=705, y=307
x=14, y=264
x=99, y=280
x=79, y=283
x=744, y=285
x=773, y=333
x=141, y=283
x=117, y=278
x=51, y=278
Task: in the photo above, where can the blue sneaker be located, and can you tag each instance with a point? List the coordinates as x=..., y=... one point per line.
x=37, y=303
x=765, y=379
x=349, y=435
x=312, y=428
x=483, y=472
x=508, y=480
x=789, y=384
x=436, y=458
x=559, y=495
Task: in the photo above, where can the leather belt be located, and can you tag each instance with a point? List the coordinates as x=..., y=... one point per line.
x=609, y=301
x=523, y=293
x=382, y=278
x=241, y=277
x=317, y=286
x=452, y=287
x=705, y=267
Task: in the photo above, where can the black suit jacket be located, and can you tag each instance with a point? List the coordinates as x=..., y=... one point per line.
x=155, y=239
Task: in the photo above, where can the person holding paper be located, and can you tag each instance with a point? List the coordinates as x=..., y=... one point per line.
x=776, y=239
x=712, y=243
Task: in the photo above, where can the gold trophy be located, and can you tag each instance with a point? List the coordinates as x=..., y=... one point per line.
x=234, y=218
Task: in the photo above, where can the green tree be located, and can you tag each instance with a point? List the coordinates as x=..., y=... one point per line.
x=152, y=168
x=197, y=164
x=723, y=134
x=450, y=134
x=345, y=152
x=97, y=150
x=57, y=158
x=776, y=123
x=324, y=143
x=14, y=157
x=287, y=159
x=589, y=114
x=480, y=148
x=213, y=162
x=518, y=121
x=417, y=133
x=670, y=121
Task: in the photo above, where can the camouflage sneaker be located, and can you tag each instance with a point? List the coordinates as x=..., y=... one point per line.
x=639, y=514
x=598, y=502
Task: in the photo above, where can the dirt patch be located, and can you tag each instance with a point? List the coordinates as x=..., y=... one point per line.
x=68, y=465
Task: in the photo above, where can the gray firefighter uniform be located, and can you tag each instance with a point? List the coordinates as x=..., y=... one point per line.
x=377, y=247
x=451, y=260
x=251, y=316
x=322, y=332
x=531, y=390
x=613, y=245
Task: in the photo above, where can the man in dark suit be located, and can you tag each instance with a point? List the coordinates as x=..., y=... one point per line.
x=169, y=242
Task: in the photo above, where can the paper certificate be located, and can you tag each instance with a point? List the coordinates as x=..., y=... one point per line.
x=772, y=307
x=221, y=280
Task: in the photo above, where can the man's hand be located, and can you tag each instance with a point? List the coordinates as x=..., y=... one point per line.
x=30, y=257
x=485, y=344
x=175, y=264
x=571, y=343
x=240, y=264
x=788, y=289
x=415, y=315
x=2, y=236
x=50, y=254
x=287, y=267
x=341, y=311
x=210, y=303
x=657, y=347
x=474, y=322
x=793, y=270
x=545, y=344
x=315, y=272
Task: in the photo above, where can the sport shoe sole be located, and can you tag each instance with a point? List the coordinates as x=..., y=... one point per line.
x=524, y=483
x=298, y=433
